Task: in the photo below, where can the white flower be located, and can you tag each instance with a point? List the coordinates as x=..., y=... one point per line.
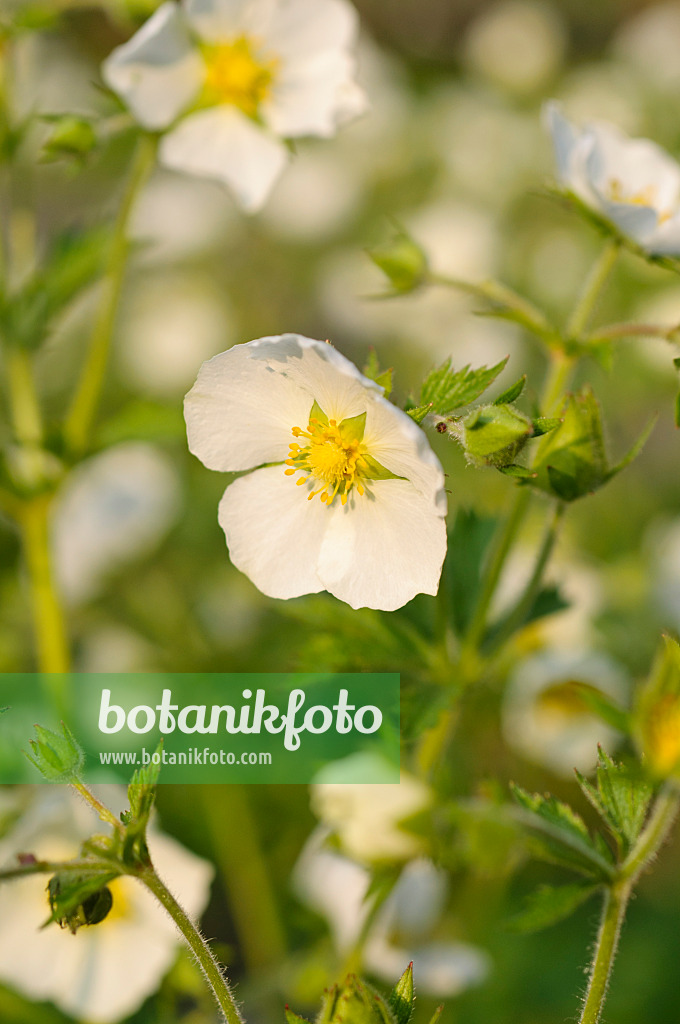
x=104, y=972
x=337, y=888
x=367, y=818
x=232, y=78
x=546, y=716
x=632, y=183
x=346, y=494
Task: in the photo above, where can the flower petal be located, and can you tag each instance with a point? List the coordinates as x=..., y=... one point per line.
x=383, y=548
x=665, y=241
x=245, y=402
x=273, y=533
x=159, y=71
x=313, y=99
x=223, y=143
x=300, y=29
x=217, y=20
x=243, y=406
x=402, y=447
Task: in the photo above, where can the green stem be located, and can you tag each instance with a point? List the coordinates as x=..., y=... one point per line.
x=517, y=617
x=504, y=541
x=84, y=406
x=614, y=910
x=501, y=295
x=244, y=874
x=50, y=628
x=643, y=853
x=654, y=834
x=23, y=398
x=104, y=813
x=198, y=945
x=595, y=281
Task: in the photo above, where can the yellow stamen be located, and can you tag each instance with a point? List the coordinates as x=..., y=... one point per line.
x=647, y=196
x=332, y=457
x=237, y=74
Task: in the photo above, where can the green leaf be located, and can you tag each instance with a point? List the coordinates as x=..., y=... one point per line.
x=544, y=424
x=418, y=412
x=559, y=835
x=402, y=261
x=446, y=389
x=512, y=393
x=550, y=904
x=294, y=1018
x=621, y=796
x=57, y=758
x=402, y=997
x=469, y=540
x=548, y=601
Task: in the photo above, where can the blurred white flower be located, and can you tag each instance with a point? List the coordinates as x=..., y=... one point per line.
x=295, y=407
x=115, y=507
x=172, y=321
x=366, y=818
x=632, y=183
x=545, y=715
x=337, y=888
x=104, y=972
x=517, y=44
x=240, y=75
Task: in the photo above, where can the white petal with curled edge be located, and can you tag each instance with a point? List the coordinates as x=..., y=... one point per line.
x=312, y=99
x=402, y=447
x=223, y=143
x=222, y=20
x=241, y=411
x=274, y=534
x=383, y=548
x=300, y=29
x=242, y=408
x=158, y=72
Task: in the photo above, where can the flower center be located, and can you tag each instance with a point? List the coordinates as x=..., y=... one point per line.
x=647, y=196
x=236, y=75
x=333, y=455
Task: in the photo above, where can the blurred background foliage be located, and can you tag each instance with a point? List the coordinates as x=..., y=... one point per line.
x=453, y=150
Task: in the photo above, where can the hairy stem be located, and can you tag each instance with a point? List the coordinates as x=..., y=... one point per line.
x=198, y=945
x=48, y=617
x=84, y=406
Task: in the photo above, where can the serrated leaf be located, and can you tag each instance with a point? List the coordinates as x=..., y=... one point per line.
x=621, y=796
x=418, y=412
x=512, y=393
x=402, y=997
x=550, y=904
x=57, y=758
x=560, y=835
x=446, y=389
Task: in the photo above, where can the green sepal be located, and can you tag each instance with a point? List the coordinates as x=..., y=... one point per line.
x=572, y=462
x=559, y=835
x=78, y=899
x=402, y=261
x=444, y=389
x=293, y=1018
x=141, y=796
x=371, y=469
x=70, y=137
x=519, y=472
x=550, y=904
x=352, y=429
x=402, y=997
x=317, y=413
x=544, y=424
x=373, y=371
x=354, y=1002
x=621, y=796
x=437, y=1014
x=57, y=758
x=512, y=393
x=494, y=435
